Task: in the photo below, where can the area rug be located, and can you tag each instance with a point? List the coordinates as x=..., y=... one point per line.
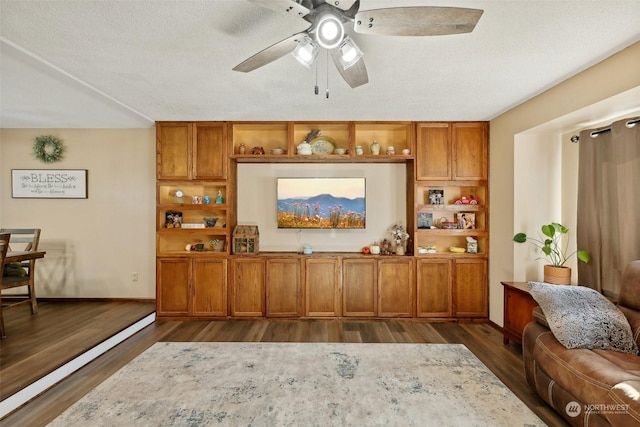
x=301, y=384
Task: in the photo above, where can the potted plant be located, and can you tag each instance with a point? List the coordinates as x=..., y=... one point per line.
x=551, y=245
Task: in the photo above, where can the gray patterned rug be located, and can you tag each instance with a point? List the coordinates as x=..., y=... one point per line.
x=301, y=384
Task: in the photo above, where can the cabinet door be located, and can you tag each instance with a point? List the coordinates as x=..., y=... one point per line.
x=172, y=150
x=434, y=295
x=209, y=287
x=283, y=287
x=395, y=287
x=322, y=287
x=469, y=146
x=247, y=287
x=210, y=151
x=433, y=152
x=359, y=296
x=470, y=288
x=172, y=281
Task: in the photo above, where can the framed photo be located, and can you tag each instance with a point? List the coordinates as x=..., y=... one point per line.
x=436, y=196
x=49, y=183
x=466, y=220
x=425, y=220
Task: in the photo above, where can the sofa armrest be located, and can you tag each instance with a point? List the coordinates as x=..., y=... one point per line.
x=633, y=316
x=538, y=316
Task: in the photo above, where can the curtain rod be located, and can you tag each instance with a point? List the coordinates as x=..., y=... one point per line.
x=633, y=121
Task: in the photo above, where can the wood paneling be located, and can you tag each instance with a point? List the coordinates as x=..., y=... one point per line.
x=360, y=281
x=395, y=287
x=173, y=154
x=172, y=286
x=470, y=294
x=322, y=292
x=209, y=287
x=283, y=287
x=434, y=289
x=247, y=283
x=433, y=151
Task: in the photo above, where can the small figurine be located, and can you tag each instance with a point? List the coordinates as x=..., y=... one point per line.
x=257, y=150
x=219, y=198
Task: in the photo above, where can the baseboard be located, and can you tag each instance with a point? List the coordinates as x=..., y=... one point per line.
x=83, y=299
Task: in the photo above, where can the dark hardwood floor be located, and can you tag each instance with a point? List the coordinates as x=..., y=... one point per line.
x=485, y=341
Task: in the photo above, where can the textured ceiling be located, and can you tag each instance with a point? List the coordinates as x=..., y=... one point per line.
x=128, y=63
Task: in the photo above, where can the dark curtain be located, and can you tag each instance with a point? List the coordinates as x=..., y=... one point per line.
x=608, y=204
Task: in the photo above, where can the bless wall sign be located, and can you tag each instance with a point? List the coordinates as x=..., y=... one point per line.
x=49, y=183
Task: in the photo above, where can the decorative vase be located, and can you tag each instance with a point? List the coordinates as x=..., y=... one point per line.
x=375, y=148
x=400, y=249
x=557, y=275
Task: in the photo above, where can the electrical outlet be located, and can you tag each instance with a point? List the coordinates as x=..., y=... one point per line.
x=134, y=276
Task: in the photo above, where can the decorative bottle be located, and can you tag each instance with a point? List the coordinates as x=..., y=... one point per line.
x=219, y=198
x=375, y=148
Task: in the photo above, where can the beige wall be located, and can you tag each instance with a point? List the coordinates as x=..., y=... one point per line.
x=93, y=245
x=613, y=76
x=385, y=193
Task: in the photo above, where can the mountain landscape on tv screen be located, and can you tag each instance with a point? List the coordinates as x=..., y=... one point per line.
x=321, y=211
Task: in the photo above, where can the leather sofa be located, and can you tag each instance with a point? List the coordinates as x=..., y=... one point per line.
x=588, y=387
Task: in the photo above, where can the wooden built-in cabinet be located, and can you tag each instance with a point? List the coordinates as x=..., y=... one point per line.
x=378, y=286
x=200, y=159
x=283, y=287
x=360, y=287
x=188, y=150
x=452, y=288
x=396, y=283
x=247, y=287
x=191, y=287
x=322, y=279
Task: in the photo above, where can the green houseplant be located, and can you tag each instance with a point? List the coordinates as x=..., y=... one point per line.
x=551, y=246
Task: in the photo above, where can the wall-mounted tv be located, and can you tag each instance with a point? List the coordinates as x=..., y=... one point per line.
x=321, y=203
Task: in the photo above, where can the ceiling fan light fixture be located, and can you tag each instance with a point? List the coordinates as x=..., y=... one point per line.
x=350, y=53
x=306, y=51
x=329, y=31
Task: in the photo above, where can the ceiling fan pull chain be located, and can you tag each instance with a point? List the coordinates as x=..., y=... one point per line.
x=315, y=89
x=327, y=61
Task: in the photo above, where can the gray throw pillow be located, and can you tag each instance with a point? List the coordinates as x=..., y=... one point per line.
x=580, y=317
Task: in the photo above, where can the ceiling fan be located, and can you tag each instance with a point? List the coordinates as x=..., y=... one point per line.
x=330, y=19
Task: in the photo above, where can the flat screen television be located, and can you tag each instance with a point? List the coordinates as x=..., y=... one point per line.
x=321, y=203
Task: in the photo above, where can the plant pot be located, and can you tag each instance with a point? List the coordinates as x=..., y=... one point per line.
x=557, y=275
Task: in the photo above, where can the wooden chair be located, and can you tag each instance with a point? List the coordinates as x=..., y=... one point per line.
x=22, y=239
x=4, y=245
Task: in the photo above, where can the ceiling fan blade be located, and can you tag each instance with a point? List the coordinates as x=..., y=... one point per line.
x=341, y=4
x=283, y=6
x=270, y=54
x=417, y=21
x=356, y=75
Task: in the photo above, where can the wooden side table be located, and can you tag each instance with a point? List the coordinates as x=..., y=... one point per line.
x=518, y=310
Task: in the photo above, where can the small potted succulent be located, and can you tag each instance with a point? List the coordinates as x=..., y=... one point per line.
x=550, y=244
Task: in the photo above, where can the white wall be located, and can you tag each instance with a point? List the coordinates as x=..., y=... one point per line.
x=93, y=245
x=385, y=193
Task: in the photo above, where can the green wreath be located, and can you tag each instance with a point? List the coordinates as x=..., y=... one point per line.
x=48, y=149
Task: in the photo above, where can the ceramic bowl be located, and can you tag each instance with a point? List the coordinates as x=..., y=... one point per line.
x=277, y=151
x=339, y=151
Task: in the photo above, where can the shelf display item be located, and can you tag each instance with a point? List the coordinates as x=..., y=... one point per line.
x=375, y=148
x=179, y=197
x=219, y=198
x=173, y=219
x=436, y=197
x=322, y=145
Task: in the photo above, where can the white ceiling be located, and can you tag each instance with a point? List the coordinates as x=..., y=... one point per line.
x=128, y=63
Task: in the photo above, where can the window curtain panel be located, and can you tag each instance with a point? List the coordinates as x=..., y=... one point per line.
x=608, y=221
